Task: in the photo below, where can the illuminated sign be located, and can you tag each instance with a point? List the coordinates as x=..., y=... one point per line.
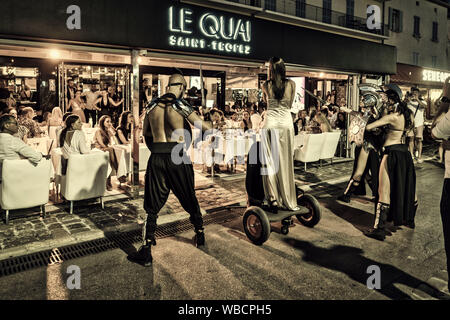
x=216, y=33
x=435, y=76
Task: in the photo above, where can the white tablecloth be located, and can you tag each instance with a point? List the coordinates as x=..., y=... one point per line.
x=226, y=148
x=89, y=133
x=123, y=155
x=42, y=145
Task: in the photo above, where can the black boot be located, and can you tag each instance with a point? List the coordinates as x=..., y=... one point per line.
x=199, y=237
x=143, y=256
x=351, y=187
x=411, y=224
x=379, y=230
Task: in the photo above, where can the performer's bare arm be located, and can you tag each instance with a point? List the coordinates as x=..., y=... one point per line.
x=391, y=119
x=265, y=94
x=163, y=121
x=194, y=118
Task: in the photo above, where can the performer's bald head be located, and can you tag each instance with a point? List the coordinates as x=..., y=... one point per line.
x=177, y=78
x=177, y=85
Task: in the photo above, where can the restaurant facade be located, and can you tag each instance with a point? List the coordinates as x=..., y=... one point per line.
x=124, y=43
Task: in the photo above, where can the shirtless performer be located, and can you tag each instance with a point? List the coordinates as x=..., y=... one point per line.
x=164, y=115
x=397, y=178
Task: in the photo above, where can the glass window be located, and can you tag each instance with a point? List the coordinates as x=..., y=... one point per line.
x=326, y=11
x=416, y=26
x=434, y=61
x=270, y=5
x=300, y=8
x=435, y=32
x=415, y=58
x=395, y=20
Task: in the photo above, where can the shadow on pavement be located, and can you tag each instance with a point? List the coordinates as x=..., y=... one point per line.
x=351, y=262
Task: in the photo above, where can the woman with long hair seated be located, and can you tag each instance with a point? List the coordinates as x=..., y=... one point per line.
x=123, y=132
x=323, y=122
x=246, y=123
x=104, y=139
x=56, y=118
x=124, y=128
x=72, y=140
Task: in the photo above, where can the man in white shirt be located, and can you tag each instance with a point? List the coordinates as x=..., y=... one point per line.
x=255, y=118
x=417, y=107
x=442, y=131
x=12, y=148
x=91, y=108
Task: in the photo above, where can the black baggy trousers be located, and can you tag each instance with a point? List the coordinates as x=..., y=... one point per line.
x=163, y=176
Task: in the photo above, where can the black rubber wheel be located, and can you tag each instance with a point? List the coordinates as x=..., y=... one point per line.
x=256, y=225
x=284, y=230
x=314, y=215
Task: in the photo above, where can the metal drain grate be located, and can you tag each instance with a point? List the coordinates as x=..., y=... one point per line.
x=113, y=241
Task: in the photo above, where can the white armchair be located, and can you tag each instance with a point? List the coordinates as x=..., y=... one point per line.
x=85, y=177
x=330, y=145
x=24, y=185
x=311, y=149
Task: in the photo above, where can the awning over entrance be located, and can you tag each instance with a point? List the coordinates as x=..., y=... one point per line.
x=414, y=75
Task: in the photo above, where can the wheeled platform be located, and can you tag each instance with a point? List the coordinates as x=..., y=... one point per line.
x=257, y=220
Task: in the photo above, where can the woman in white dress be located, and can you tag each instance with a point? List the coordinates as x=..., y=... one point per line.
x=277, y=139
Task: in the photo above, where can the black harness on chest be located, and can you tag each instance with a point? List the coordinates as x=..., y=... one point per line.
x=168, y=100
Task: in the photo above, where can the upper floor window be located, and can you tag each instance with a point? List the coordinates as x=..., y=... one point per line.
x=415, y=58
x=416, y=33
x=434, y=61
x=350, y=12
x=395, y=20
x=434, y=36
x=270, y=5
x=300, y=8
x=326, y=11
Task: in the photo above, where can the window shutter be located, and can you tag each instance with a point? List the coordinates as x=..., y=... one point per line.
x=400, y=21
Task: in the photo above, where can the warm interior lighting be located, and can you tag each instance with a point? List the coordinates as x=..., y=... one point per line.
x=55, y=54
x=322, y=75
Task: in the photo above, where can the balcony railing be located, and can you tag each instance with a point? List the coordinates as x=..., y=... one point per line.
x=310, y=12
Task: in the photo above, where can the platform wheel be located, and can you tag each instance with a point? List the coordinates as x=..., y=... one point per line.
x=256, y=225
x=313, y=217
x=284, y=230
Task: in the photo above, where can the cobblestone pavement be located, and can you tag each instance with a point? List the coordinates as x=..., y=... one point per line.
x=27, y=232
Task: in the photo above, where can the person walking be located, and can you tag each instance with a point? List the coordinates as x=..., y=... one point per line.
x=166, y=169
